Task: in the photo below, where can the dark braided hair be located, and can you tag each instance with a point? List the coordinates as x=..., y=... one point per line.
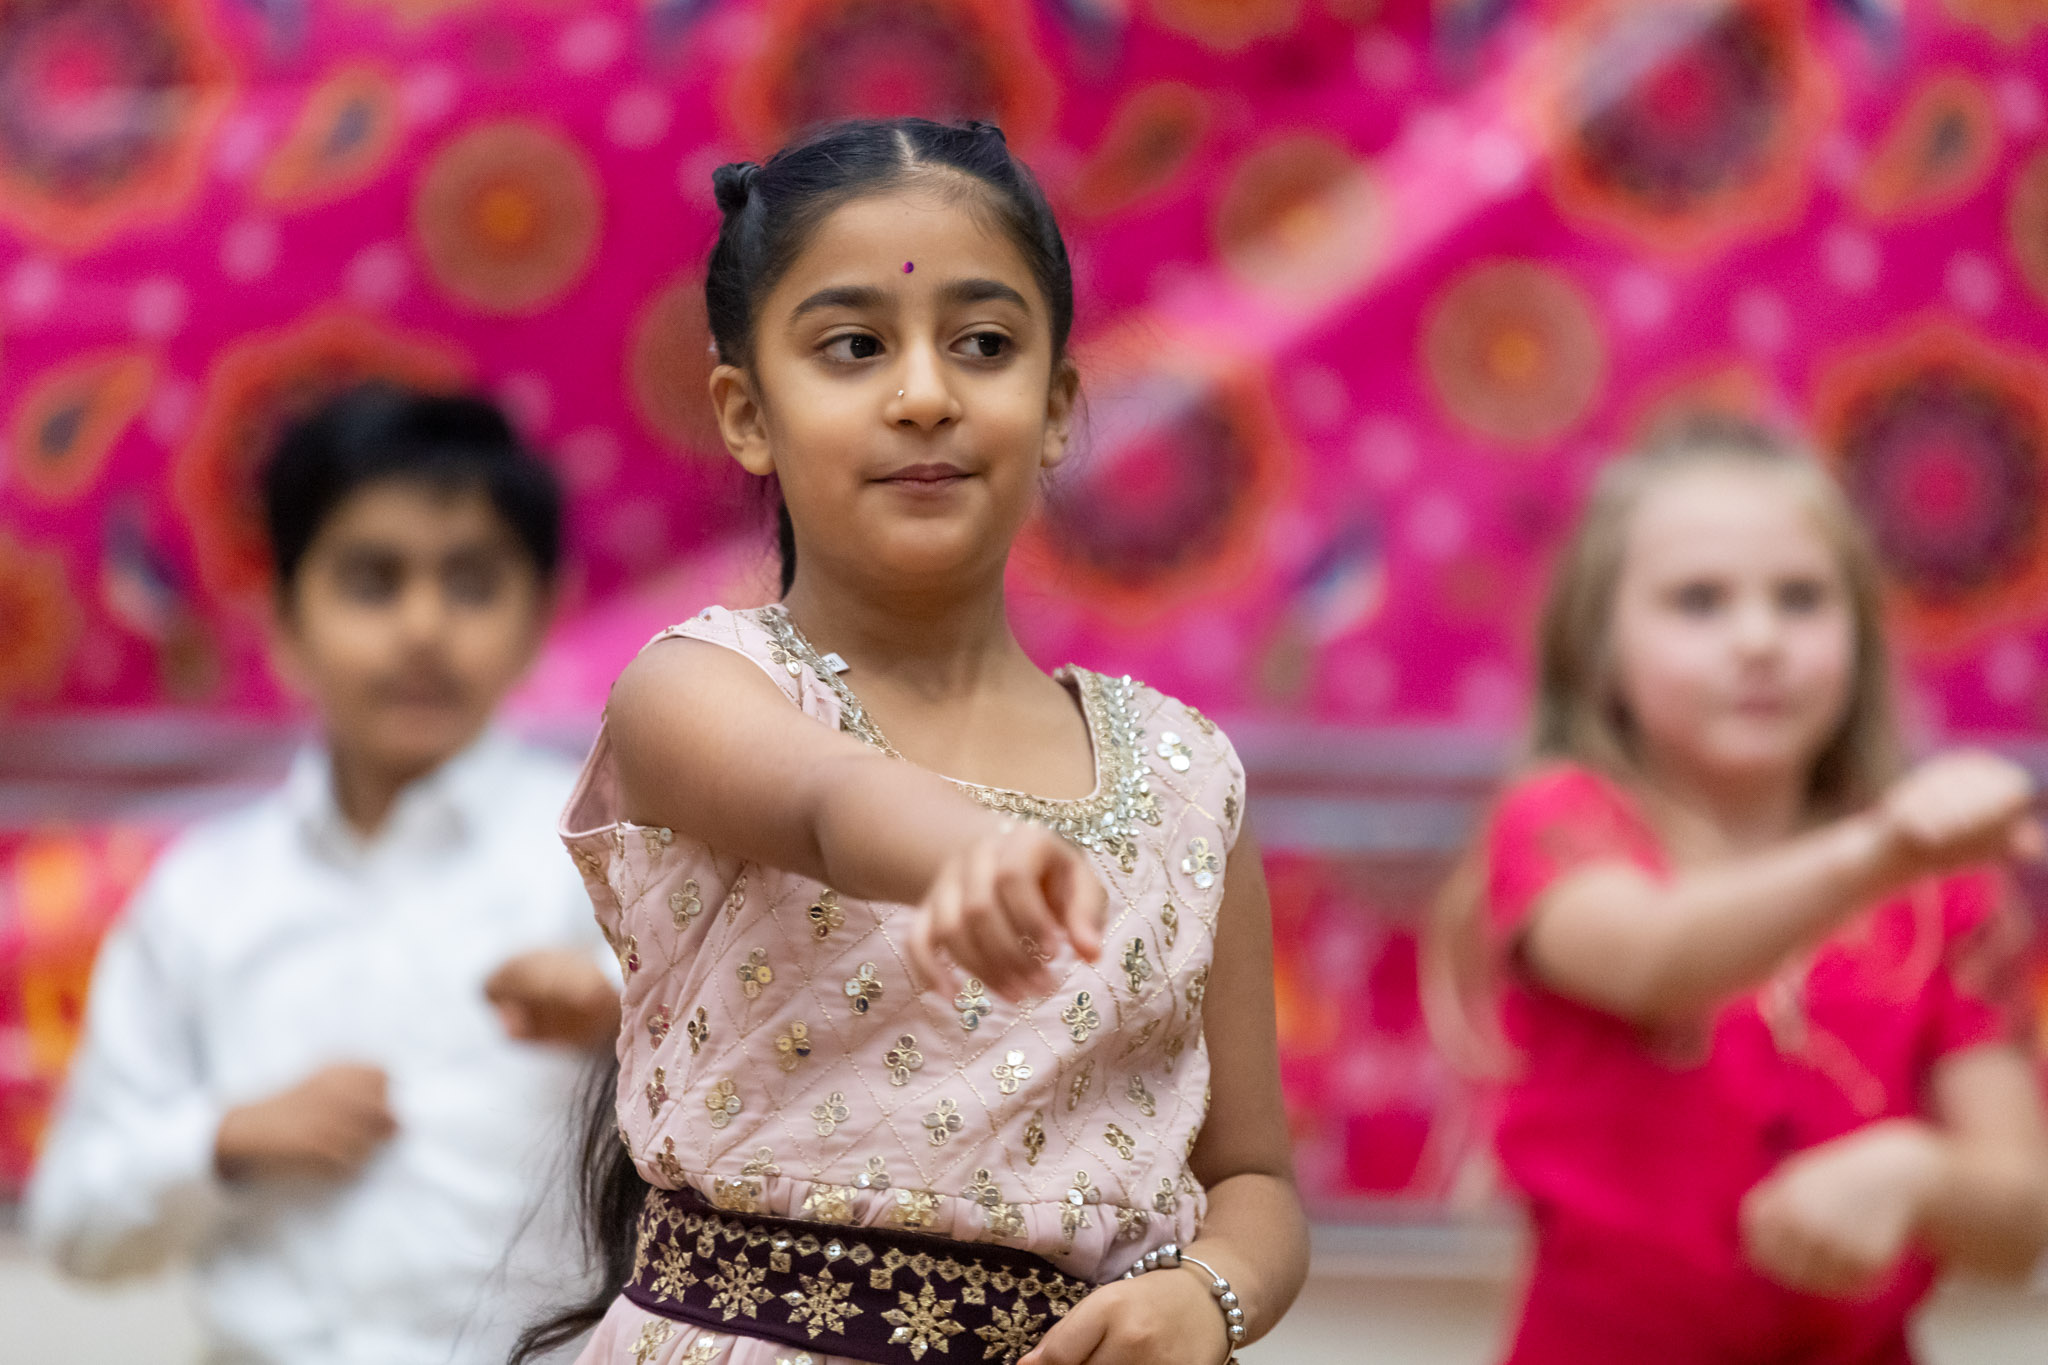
x=771, y=210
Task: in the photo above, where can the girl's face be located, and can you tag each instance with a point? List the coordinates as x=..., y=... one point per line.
x=904, y=393
x=1733, y=635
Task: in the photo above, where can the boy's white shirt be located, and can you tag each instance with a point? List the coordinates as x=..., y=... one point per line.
x=271, y=941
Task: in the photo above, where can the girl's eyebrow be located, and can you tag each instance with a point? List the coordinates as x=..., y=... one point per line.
x=983, y=291
x=851, y=296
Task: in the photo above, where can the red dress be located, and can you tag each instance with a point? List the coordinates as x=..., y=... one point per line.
x=1634, y=1151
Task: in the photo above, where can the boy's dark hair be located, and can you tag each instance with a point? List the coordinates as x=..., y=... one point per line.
x=771, y=209
x=379, y=431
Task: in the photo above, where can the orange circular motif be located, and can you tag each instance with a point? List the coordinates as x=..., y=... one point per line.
x=1301, y=216
x=822, y=60
x=417, y=12
x=2010, y=21
x=259, y=385
x=105, y=108
x=668, y=368
x=39, y=619
x=1167, y=499
x=2026, y=224
x=73, y=413
x=507, y=216
x=1514, y=351
x=1684, y=124
x=1940, y=436
x=1228, y=25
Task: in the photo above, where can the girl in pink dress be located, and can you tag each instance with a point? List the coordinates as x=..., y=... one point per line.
x=1769, y=1081
x=910, y=1065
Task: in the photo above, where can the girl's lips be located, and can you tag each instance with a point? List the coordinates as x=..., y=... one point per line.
x=925, y=478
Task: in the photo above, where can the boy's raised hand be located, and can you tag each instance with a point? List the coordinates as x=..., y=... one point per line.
x=1957, y=809
x=555, y=995
x=323, y=1128
x=999, y=910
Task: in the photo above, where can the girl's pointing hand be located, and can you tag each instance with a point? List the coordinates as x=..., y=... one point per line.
x=999, y=909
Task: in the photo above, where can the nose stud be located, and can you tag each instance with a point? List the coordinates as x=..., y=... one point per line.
x=899, y=393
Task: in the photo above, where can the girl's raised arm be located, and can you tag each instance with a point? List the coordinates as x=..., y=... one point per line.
x=706, y=745
x=1613, y=937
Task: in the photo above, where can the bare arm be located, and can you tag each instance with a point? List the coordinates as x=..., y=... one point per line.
x=1255, y=1234
x=1971, y=1184
x=1612, y=937
x=706, y=745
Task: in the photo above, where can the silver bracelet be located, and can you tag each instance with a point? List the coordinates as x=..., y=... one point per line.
x=1170, y=1256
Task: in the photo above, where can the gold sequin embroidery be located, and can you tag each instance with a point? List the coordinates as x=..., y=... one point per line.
x=755, y=973
x=658, y=1024
x=821, y=1305
x=943, y=1122
x=1201, y=864
x=736, y=898
x=1078, y=1086
x=723, y=1102
x=657, y=1091
x=699, y=1029
x=1080, y=1197
x=685, y=905
x=829, y=1113
x=923, y=1321
x=829, y=1204
x=1131, y=1224
x=1137, y=967
x=1081, y=1017
x=653, y=1336
x=914, y=1209
x=1126, y=1145
x=862, y=988
x=875, y=1177
x=826, y=916
x=973, y=1004
x=666, y=1161
x=1011, y=1072
x=792, y=1045
x=1137, y=1094
x=903, y=1059
x=1034, y=1138
x=1175, y=751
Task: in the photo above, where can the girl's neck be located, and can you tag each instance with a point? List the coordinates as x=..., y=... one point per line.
x=1707, y=818
x=936, y=645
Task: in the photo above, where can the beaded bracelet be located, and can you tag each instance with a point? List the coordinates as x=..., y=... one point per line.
x=1170, y=1256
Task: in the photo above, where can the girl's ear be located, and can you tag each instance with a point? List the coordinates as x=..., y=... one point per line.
x=740, y=419
x=1060, y=400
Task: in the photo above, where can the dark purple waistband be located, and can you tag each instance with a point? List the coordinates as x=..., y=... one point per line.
x=873, y=1294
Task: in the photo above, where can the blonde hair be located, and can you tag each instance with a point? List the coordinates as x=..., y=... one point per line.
x=1578, y=715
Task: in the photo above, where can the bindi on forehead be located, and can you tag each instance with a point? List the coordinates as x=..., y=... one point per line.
x=909, y=266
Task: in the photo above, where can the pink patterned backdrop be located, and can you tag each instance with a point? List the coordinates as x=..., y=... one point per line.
x=1367, y=289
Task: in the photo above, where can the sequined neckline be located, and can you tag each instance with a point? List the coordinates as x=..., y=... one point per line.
x=1104, y=819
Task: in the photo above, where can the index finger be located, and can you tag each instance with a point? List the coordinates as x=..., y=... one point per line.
x=1079, y=901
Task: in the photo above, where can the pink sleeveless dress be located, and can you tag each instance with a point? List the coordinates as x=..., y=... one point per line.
x=774, y=1058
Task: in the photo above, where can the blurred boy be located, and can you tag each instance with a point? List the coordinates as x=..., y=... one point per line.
x=331, y=1051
